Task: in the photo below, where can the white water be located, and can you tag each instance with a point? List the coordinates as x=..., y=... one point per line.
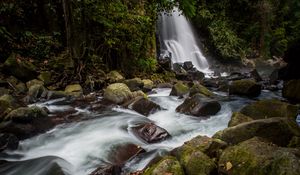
x=87, y=144
x=177, y=37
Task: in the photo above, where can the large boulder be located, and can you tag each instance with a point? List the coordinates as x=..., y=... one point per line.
x=35, y=93
x=260, y=157
x=120, y=153
x=19, y=67
x=270, y=108
x=114, y=77
x=108, y=169
x=6, y=103
x=74, y=90
x=179, y=89
x=144, y=106
x=291, y=90
x=277, y=130
x=168, y=165
x=18, y=86
x=8, y=142
x=117, y=93
x=34, y=82
x=150, y=133
x=26, y=114
x=148, y=85
x=199, y=106
x=198, y=88
x=245, y=87
x=45, y=77
x=134, y=84
x=238, y=118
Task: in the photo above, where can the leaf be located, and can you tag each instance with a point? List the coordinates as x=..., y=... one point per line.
x=228, y=166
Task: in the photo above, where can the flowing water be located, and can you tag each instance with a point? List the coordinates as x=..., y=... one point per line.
x=80, y=147
x=177, y=37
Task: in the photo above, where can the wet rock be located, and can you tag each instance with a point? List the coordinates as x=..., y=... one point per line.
x=291, y=90
x=18, y=86
x=194, y=74
x=238, y=118
x=6, y=102
x=198, y=88
x=245, y=87
x=148, y=85
x=74, y=90
x=179, y=89
x=114, y=77
x=270, y=108
x=33, y=83
x=274, y=77
x=294, y=142
x=236, y=76
x=107, y=170
x=188, y=65
x=255, y=75
x=117, y=93
x=168, y=165
x=8, y=142
x=145, y=106
x=258, y=156
x=35, y=93
x=134, y=84
x=20, y=68
x=26, y=114
x=164, y=85
x=199, y=106
x=119, y=154
x=150, y=133
x=57, y=94
x=277, y=130
x=164, y=61
x=45, y=77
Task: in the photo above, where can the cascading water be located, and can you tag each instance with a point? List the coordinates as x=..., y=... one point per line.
x=177, y=37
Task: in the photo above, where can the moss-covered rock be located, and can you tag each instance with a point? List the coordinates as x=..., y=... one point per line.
x=238, y=118
x=148, y=85
x=134, y=84
x=199, y=106
x=179, y=89
x=294, y=142
x=259, y=157
x=35, y=93
x=291, y=90
x=277, y=130
x=18, y=86
x=26, y=114
x=34, y=82
x=74, y=90
x=198, y=88
x=20, y=68
x=6, y=104
x=114, y=77
x=117, y=93
x=168, y=165
x=245, y=87
x=270, y=108
x=45, y=77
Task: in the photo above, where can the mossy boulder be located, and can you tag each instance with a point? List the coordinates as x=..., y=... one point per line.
x=20, y=68
x=117, y=93
x=245, y=87
x=168, y=165
x=148, y=85
x=260, y=157
x=199, y=106
x=35, y=93
x=6, y=104
x=18, y=86
x=179, y=89
x=294, y=142
x=270, y=108
x=26, y=114
x=114, y=77
x=238, y=118
x=134, y=84
x=198, y=88
x=45, y=77
x=34, y=82
x=277, y=130
x=74, y=90
x=291, y=90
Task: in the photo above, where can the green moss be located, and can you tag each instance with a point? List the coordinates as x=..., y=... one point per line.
x=198, y=88
x=238, y=118
x=168, y=165
x=179, y=89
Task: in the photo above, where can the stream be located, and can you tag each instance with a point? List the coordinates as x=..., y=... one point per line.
x=80, y=147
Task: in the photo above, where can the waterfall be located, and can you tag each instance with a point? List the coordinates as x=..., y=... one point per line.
x=178, y=39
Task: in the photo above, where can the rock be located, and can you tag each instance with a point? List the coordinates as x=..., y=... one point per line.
x=20, y=68
x=45, y=77
x=291, y=90
x=33, y=83
x=255, y=75
x=6, y=102
x=259, y=157
x=35, y=93
x=245, y=87
x=57, y=94
x=236, y=76
x=168, y=165
x=18, y=87
x=199, y=106
x=107, y=170
x=117, y=93
x=150, y=133
x=198, y=88
x=277, y=130
x=8, y=142
x=148, y=85
x=119, y=154
x=134, y=84
x=164, y=85
x=238, y=118
x=195, y=75
x=145, y=106
x=179, y=89
x=294, y=142
x=114, y=77
x=26, y=114
x=74, y=90
x=270, y=108
x=164, y=61
x=188, y=65
x=274, y=77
